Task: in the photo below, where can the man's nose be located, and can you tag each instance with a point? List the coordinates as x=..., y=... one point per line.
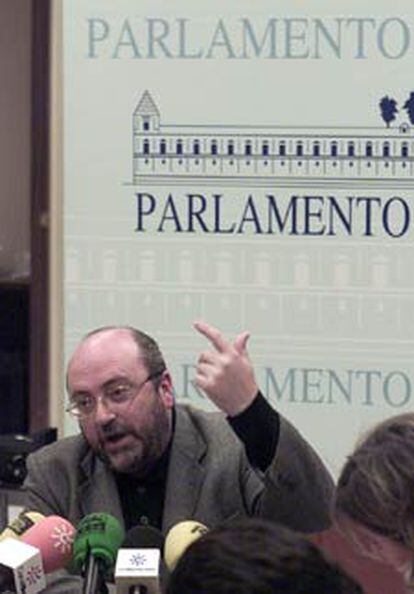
x=103, y=412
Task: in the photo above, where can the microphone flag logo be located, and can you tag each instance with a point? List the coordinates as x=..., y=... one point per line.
x=138, y=559
x=63, y=537
x=34, y=574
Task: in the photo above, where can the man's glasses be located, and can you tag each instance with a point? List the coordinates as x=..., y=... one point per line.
x=115, y=394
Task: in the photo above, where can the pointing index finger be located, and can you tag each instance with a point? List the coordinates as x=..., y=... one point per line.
x=241, y=342
x=212, y=334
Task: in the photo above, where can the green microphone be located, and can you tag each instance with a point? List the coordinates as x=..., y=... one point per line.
x=97, y=540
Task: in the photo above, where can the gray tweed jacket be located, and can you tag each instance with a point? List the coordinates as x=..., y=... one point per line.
x=209, y=479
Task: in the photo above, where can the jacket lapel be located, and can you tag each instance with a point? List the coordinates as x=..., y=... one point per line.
x=99, y=492
x=185, y=475
x=185, y=472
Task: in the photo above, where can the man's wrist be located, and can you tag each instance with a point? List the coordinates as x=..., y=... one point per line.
x=258, y=428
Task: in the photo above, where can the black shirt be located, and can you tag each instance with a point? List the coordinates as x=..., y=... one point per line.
x=142, y=499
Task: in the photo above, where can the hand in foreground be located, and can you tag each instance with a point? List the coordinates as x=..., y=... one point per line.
x=225, y=373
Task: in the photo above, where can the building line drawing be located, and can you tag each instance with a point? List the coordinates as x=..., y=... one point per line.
x=265, y=155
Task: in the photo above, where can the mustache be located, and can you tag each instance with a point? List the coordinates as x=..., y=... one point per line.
x=112, y=430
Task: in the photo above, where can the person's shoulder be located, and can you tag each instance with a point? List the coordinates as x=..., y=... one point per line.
x=200, y=415
x=72, y=447
x=209, y=423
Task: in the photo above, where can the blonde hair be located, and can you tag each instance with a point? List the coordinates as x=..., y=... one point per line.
x=376, y=485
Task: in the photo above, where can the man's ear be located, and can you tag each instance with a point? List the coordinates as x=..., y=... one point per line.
x=376, y=546
x=397, y=555
x=165, y=390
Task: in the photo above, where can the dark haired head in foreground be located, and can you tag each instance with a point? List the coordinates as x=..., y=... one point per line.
x=374, y=501
x=256, y=557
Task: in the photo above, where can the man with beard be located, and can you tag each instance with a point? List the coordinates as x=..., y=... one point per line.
x=147, y=460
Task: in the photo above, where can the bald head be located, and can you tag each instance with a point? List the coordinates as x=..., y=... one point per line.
x=121, y=374
x=145, y=347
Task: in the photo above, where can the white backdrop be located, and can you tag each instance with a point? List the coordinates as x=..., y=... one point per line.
x=329, y=305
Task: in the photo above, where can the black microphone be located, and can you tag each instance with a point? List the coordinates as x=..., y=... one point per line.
x=97, y=541
x=138, y=567
x=144, y=537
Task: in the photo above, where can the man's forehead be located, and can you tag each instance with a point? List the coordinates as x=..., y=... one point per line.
x=112, y=339
x=106, y=347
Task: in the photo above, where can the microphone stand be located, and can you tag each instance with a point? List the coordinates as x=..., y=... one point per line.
x=94, y=582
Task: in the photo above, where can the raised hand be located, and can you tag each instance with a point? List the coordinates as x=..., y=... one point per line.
x=225, y=373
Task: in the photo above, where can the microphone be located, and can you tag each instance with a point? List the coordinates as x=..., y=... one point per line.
x=179, y=539
x=43, y=548
x=53, y=536
x=20, y=524
x=138, y=563
x=144, y=537
x=98, y=538
x=21, y=568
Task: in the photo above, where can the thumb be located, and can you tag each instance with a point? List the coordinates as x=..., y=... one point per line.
x=241, y=342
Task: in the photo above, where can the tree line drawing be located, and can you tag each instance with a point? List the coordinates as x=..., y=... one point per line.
x=389, y=108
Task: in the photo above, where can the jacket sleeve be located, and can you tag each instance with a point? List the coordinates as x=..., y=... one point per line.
x=296, y=488
x=40, y=496
x=39, y=493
